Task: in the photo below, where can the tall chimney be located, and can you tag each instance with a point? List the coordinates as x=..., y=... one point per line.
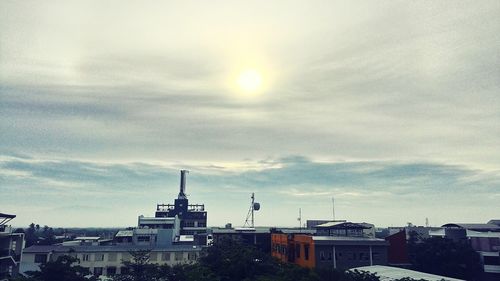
x=182, y=194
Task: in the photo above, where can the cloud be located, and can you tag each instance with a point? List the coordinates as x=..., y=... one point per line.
x=291, y=182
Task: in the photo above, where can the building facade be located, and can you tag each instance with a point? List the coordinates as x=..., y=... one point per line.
x=11, y=246
x=192, y=217
x=341, y=245
x=175, y=235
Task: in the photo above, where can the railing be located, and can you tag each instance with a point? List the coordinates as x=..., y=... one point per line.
x=196, y=208
x=165, y=207
x=170, y=207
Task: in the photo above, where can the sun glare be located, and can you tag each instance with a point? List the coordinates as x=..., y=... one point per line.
x=250, y=81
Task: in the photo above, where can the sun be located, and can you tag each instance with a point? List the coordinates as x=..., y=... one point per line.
x=250, y=81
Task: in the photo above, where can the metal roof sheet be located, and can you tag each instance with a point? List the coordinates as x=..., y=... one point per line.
x=388, y=273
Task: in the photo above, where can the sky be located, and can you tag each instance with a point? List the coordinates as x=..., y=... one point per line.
x=390, y=107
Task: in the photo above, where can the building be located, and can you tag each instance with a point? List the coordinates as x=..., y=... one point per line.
x=397, y=253
x=175, y=235
x=338, y=244
x=329, y=251
x=484, y=239
x=107, y=260
x=260, y=237
x=11, y=247
x=192, y=217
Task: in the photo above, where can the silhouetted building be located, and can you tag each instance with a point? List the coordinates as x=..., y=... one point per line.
x=192, y=217
x=11, y=246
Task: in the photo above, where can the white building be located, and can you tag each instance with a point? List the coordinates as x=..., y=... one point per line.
x=107, y=260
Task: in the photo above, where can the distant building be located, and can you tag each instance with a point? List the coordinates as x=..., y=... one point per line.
x=107, y=260
x=484, y=239
x=338, y=244
x=260, y=237
x=310, y=224
x=176, y=235
x=397, y=253
x=192, y=217
x=11, y=246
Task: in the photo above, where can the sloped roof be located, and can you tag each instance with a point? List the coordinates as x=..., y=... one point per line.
x=495, y=222
x=337, y=224
x=474, y=226
x=388, y=273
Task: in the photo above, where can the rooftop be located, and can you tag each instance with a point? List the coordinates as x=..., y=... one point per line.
x=112, y=248
x=345, y=240
x=474, y=226
x=341, y=224
x=387, y=273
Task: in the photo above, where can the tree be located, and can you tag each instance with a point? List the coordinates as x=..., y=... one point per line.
x=445, y=257
x=30, y=235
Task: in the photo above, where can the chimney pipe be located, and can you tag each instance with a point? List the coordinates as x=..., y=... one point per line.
x=182, y=194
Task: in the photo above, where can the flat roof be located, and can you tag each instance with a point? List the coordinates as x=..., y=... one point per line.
x=387, y=273
x=109, y=248
x=342, y=240
x=87, y=238
x=259, y=230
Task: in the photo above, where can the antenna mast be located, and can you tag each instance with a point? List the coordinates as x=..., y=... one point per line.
x=300, y=218
x=254, y=206
x=333, y=208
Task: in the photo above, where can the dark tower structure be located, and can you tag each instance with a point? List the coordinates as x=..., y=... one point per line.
x=193, y=217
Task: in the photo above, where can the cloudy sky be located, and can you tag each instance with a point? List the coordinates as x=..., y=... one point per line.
x=391, y=107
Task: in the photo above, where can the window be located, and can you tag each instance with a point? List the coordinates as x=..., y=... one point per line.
x=375, y=256
x=322, y=256
x=165, y=256
x=111, y=256
x=297, y=250
x=143, y=239
x=178, y=256
x=111, y=271
x=97, y=271
x=191, y=256
x=126, y=256
x=491, y=260
x=123, y=270
x=14, y=245
x=40, y=258
x=330, y=256
x=85, y=257
x=306, y=251
x=153, y=256
x=99, y=257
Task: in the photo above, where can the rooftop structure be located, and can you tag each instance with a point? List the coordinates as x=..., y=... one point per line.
x=341, y=228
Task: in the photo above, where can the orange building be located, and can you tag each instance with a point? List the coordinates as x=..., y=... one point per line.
x=328, y=251
x=294, y=248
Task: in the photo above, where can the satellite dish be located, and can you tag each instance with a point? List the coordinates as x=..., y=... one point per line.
x=256, y=206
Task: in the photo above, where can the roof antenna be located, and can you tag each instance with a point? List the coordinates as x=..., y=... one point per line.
x=333, y=208
x=254, y=206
